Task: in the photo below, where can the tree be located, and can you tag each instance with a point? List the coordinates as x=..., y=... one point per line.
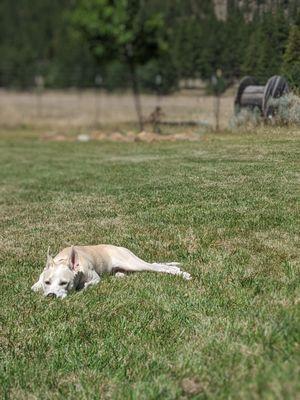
x=123, y=30
x=264, y=54
x=250, y=63
x=175, y=39
x=291, y=58
x=234, y=40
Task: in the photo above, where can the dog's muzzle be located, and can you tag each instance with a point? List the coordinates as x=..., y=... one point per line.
x=51, y=295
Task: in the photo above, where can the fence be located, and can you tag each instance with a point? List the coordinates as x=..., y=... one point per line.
x=96, y=109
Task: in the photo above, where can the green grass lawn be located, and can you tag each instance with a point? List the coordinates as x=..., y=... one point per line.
x=226, y=207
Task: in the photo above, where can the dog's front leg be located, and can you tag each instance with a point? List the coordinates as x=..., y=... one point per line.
x=93, y=279
x=38, y=285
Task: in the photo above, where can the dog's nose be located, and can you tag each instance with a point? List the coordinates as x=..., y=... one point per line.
x=51, y=295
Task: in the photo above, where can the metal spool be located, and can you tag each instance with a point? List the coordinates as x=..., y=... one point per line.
x=276, y=87
x=250, y=95
x=245, y=82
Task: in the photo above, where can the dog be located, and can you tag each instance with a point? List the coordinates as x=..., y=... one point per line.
x=79, y=267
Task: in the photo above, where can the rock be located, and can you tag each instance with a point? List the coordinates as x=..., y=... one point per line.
x=83, y=138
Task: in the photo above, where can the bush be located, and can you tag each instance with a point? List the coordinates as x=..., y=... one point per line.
x=246, y=118
x=287, y=109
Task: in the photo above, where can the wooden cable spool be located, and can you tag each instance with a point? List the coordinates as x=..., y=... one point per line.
x=251, y=95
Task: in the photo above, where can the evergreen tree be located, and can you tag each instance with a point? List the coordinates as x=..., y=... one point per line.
x=291, y=64
x=210, y=47
x=250, y=61
x=37, y=38
x=234, y=40
x=274, y=34
x=264, y=54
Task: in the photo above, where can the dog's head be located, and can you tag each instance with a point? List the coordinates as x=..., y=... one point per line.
x=61, y=276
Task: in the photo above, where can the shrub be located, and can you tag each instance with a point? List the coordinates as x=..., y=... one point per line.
x=287, y=109
x=246, y=118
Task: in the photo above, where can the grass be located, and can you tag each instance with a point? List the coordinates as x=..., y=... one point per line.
x=226, y=207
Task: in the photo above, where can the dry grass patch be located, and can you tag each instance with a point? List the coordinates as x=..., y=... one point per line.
x=81, y=110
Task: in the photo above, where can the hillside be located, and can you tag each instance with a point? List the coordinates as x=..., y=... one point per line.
x=249, y=7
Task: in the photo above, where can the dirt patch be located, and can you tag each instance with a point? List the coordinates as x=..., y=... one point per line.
x=191, y=386
x=57, y=137
x=147, y=137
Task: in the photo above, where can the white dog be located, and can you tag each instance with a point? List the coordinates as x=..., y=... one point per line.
x=79, y=267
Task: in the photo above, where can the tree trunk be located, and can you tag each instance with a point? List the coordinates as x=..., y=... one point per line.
x=136, y=93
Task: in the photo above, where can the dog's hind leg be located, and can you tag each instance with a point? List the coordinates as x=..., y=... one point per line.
x=129, y=262
x=93, y=279
x=175, y=264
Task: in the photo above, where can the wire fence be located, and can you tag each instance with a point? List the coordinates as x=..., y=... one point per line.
x=97, y=109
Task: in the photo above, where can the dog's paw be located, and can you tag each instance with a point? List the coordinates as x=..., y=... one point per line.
x=171, y=269
x=186, y=276
x=120, y=275
x=36, y=287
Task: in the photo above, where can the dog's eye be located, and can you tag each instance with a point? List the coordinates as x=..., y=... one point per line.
x=47, y=282
x=63, y=283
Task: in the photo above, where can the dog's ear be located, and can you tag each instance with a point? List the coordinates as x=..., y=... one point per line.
x=73, y=259
x=50, y=261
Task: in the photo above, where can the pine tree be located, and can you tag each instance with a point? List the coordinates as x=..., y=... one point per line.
x=291, y=64
x=250, y=63
x=264, y=54
x=274, y=34
x=234, y=41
